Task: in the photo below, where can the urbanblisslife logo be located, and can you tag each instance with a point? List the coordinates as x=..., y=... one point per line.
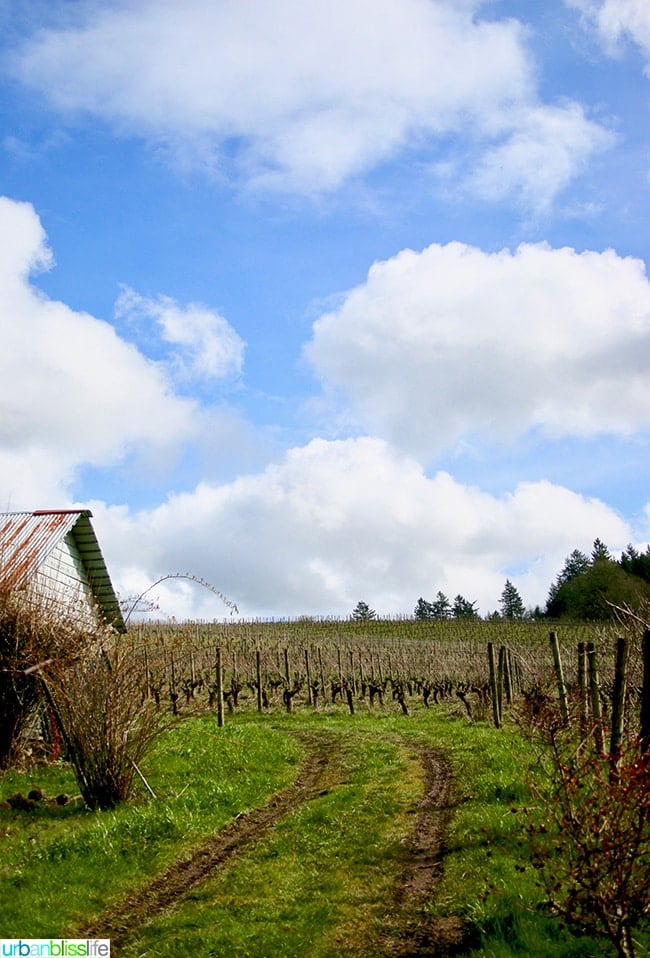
x=55, y=948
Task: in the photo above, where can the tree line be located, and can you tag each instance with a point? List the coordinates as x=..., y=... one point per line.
x=588, y=588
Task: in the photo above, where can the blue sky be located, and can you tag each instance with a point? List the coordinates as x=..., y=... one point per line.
x=327, y=301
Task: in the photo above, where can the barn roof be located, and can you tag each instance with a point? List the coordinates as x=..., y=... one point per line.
x=27, y=539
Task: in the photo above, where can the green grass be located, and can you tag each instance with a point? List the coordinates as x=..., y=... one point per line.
x=61, y=865
x=320, y=882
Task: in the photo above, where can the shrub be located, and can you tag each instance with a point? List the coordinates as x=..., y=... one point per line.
x=85, y=676
x=590, y=837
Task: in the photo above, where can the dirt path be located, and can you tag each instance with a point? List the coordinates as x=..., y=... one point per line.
x=410, y=932
x=179, y=879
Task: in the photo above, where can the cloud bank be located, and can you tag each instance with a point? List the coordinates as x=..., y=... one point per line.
x=335, y=522
x=303, y=97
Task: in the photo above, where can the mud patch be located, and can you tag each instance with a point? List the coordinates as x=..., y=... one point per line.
x=410, y=932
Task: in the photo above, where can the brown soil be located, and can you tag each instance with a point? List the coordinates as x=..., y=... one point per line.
x=410, y=932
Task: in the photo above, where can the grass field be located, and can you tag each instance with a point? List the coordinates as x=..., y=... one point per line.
x=339, y=820
x=321, y=880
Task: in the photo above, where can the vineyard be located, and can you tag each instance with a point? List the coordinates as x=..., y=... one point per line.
x=373, y=664
x=318, y=787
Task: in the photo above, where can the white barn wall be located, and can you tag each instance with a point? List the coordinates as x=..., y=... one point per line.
x=62, y=578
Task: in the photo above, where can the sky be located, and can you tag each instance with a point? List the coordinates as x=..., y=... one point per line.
x=330, y=301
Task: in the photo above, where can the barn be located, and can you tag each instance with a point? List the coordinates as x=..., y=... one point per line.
x=55, y=554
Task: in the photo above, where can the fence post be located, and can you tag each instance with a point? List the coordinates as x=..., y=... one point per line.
x=496, y=704
x=220, y=714
x=310, y=699
x=645, y=694
x=500, y=668
x=582, y=685
x=287, y=671
x=618, y=697
x=173, y=694
x=504, y=669
x=322, y=674
x=258, y=670
x=594, y=695
x=559, y=674
x=353, y=678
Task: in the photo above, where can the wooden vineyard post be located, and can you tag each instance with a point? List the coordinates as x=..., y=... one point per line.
x=508, y=676
x=147, y=674
x=353, y=678
x=173, y=694
x=500, y=680
x=582, y=685
x=310, y=699
x=289, y=691
x=219, y=671
x=505, y=675
x=559, y=675
x=645, y=694
x=496, y=704
x=618, y=697
x=322, y=674
x=258, y=676
x=594, y=697
x=235, y=681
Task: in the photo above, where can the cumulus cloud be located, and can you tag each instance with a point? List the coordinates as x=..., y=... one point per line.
x=335, y=522
x=617, y=21
x=302, y=97
x=204, y=344
x=71, y=391
x=453, y=343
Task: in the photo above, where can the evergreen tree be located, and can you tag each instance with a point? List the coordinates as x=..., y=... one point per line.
x=574, y=565
x=441, y=608
x=362, y=612
x=423, y=609
x=511, y=605
x=636, y=563
x=463, y=608
x=600, y=551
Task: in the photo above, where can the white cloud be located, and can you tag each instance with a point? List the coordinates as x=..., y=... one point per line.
x=72, y=392
x=205, y=344
x=547, y=147
x=454, y=343
x=617, y=21
x=335, y=522
x=302, y=96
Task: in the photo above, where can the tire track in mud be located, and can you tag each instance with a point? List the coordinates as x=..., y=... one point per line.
x=179, y=879
x=410, y=932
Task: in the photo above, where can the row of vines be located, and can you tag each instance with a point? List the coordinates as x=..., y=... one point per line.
x=378, y=664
